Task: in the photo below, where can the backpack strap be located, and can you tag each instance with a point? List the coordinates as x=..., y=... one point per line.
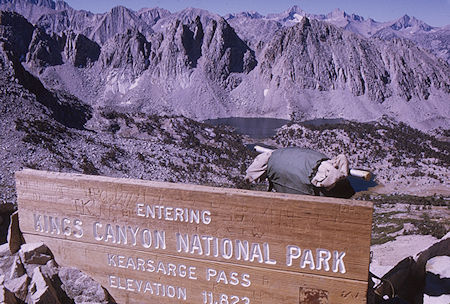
x=270, y=186
x=372, y=275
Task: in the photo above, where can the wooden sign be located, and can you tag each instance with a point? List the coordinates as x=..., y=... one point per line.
x=152, y=242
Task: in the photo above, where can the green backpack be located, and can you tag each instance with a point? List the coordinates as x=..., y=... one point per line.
x=290, y=170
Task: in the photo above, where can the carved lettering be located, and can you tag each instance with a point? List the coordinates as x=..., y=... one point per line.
x=225, y=248
x=320, y=262
x=127, y=235
x=55, y=225
x=147, y=287
x=168, y=213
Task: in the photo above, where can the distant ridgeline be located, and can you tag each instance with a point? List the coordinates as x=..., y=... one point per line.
x=201, y=65
x=175, y=242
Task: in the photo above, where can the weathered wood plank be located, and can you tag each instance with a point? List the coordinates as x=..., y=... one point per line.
x=287, y=245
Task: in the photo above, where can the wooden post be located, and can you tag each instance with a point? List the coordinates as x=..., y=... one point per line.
x=153, y=242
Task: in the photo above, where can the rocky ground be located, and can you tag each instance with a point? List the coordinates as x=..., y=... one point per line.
x=40, y=135
x=29, y=274
x=398, y=215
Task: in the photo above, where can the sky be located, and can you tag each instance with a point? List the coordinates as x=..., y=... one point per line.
x=433, y=12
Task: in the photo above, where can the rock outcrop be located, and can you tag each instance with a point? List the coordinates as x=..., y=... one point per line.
x=152, y=15
x=6, y=296
x=16, y=33
x=44, y=282
x=43, y=50
x=79, y=50
x=33, y=9
x=127, y=51
x=118, y=20
x=415, y=277
x=225, y=52
x=80, y=287
x=32, y=276
x=59, y=21
x=211, y=45
x=318, y=56
x=14, y=237
x=435, y=39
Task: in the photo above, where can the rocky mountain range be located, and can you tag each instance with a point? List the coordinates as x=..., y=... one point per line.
x=435, y=39
x=200, y=65
x=52, y=130
x=115, y=93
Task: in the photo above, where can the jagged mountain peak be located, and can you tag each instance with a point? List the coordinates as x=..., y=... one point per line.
x=406, y=21
x=80, y=50
x=152, y=15
x=247, y=14
x=196, y=56
x=49, y=4
x=357, y=17
x=350, y=63
x=174, y=63
x=187, y=16
x=351, y=22
x=45, y=3
x=431, y=38
x=193, y=11
x=293, y=14
x=120, y=9
x=152, y=10
x=118, y=20
x=213, y=41
x=226, y=50
x=295, y=37
x=68, y=19
x=294, y=9
x=34, y=9
x=253, y=28
x=127, y=49
x=337, y=13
